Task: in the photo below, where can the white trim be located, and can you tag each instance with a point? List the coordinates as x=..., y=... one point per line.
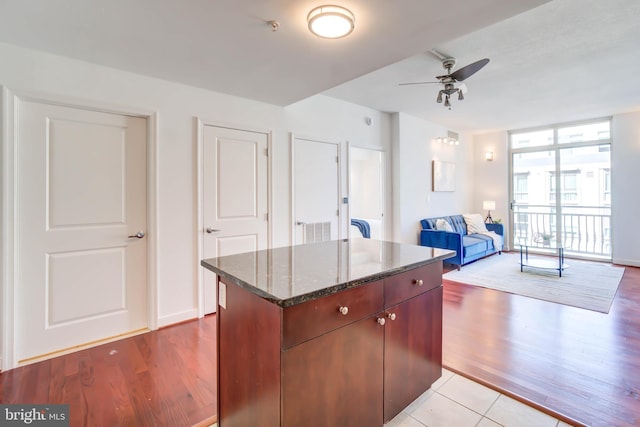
x=200, y=213
x=629, y=262
x=174, y=318
x=9, y=206
x=292, y=193
x=348, y=188
x=559, y=125
x=153, y=235
x=200, y=123
x=9, y=202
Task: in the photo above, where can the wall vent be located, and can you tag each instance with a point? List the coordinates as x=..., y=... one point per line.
x=317, y=232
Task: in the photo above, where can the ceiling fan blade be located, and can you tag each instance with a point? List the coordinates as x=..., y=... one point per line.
x=416, y=83
x=468, y=71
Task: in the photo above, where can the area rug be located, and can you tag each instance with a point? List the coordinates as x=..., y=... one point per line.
x=584, y=284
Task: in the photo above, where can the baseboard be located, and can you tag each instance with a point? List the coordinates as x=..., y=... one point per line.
x=79, y=347
x=629, y=262
x=178, y=317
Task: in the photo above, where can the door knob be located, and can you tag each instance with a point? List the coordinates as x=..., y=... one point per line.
x=211, y=230
x=138, y=235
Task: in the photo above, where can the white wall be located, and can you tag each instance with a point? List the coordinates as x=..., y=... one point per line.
x=625, y=175
x=177, y=107
x=491, y=178
x=413, y=150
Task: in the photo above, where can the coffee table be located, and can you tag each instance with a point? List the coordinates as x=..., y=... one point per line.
x=537, y=262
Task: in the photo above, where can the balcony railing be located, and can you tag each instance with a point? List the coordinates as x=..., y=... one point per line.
x=581, y=230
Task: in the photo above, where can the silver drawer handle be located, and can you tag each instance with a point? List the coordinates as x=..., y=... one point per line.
x=344, y=310
x=139, y=235
x=381, y=321
x=418, y=282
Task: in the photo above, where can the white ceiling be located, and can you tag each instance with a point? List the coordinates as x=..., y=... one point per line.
x=564, y=60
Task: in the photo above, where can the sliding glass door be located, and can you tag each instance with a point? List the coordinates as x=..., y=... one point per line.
x=561, y=188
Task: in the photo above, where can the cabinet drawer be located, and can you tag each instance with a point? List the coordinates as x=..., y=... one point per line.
x=310, y=319
x=403, y=286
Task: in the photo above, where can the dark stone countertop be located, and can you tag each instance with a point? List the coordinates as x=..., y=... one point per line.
x=291, y=275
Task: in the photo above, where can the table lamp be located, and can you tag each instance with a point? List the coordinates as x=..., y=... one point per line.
x=489, y=205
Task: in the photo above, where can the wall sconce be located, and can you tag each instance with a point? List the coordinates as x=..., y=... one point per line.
x=451, y=139
x=489, y=205
x=488, y=156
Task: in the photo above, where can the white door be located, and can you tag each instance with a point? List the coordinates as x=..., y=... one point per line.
x=316, y=190
x=234, y=197
x=81, y=192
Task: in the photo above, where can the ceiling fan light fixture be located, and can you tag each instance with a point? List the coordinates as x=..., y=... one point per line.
x=460, y=95
x=439, y=99
x=446, y=101
x=331, y=22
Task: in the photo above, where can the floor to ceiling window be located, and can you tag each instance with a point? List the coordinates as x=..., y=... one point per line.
x=561, y=188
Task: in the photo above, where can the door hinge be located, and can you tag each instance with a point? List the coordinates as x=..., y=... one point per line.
x=266, y=152
x=266, y=216
x=337, y=159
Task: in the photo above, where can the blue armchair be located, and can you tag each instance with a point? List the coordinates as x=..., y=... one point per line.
x=468, y=247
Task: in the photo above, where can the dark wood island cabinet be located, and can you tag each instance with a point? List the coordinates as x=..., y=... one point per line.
x=344, y=332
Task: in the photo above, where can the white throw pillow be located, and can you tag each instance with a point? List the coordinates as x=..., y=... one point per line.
x=443, y=225
x=475, y=223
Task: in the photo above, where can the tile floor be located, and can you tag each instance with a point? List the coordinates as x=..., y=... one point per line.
x=455, y=401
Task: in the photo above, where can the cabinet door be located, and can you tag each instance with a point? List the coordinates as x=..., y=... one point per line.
x=412, y=350
x=336, y=378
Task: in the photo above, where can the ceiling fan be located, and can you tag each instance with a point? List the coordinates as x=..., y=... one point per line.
x=450, y=79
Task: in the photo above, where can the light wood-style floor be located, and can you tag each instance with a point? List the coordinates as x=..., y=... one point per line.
x=580, y=364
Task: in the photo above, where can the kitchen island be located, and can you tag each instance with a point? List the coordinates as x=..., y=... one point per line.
x=341, y=333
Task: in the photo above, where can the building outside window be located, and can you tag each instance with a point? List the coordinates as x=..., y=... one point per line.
x=561, y=185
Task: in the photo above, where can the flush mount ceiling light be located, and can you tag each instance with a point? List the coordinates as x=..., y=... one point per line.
x=331, y=22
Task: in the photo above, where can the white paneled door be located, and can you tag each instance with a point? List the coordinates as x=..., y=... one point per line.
x=81, y=227
x=234, y=199
x=316, y=186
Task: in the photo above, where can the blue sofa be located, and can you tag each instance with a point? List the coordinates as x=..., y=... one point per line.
x=468, y=247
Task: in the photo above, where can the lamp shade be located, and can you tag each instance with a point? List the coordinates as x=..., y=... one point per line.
x=489, y=205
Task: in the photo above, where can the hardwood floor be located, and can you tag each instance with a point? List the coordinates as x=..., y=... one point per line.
x=161, y=378
x=580, y=364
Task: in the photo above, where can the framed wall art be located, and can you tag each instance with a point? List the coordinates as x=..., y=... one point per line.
x=444, y=176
